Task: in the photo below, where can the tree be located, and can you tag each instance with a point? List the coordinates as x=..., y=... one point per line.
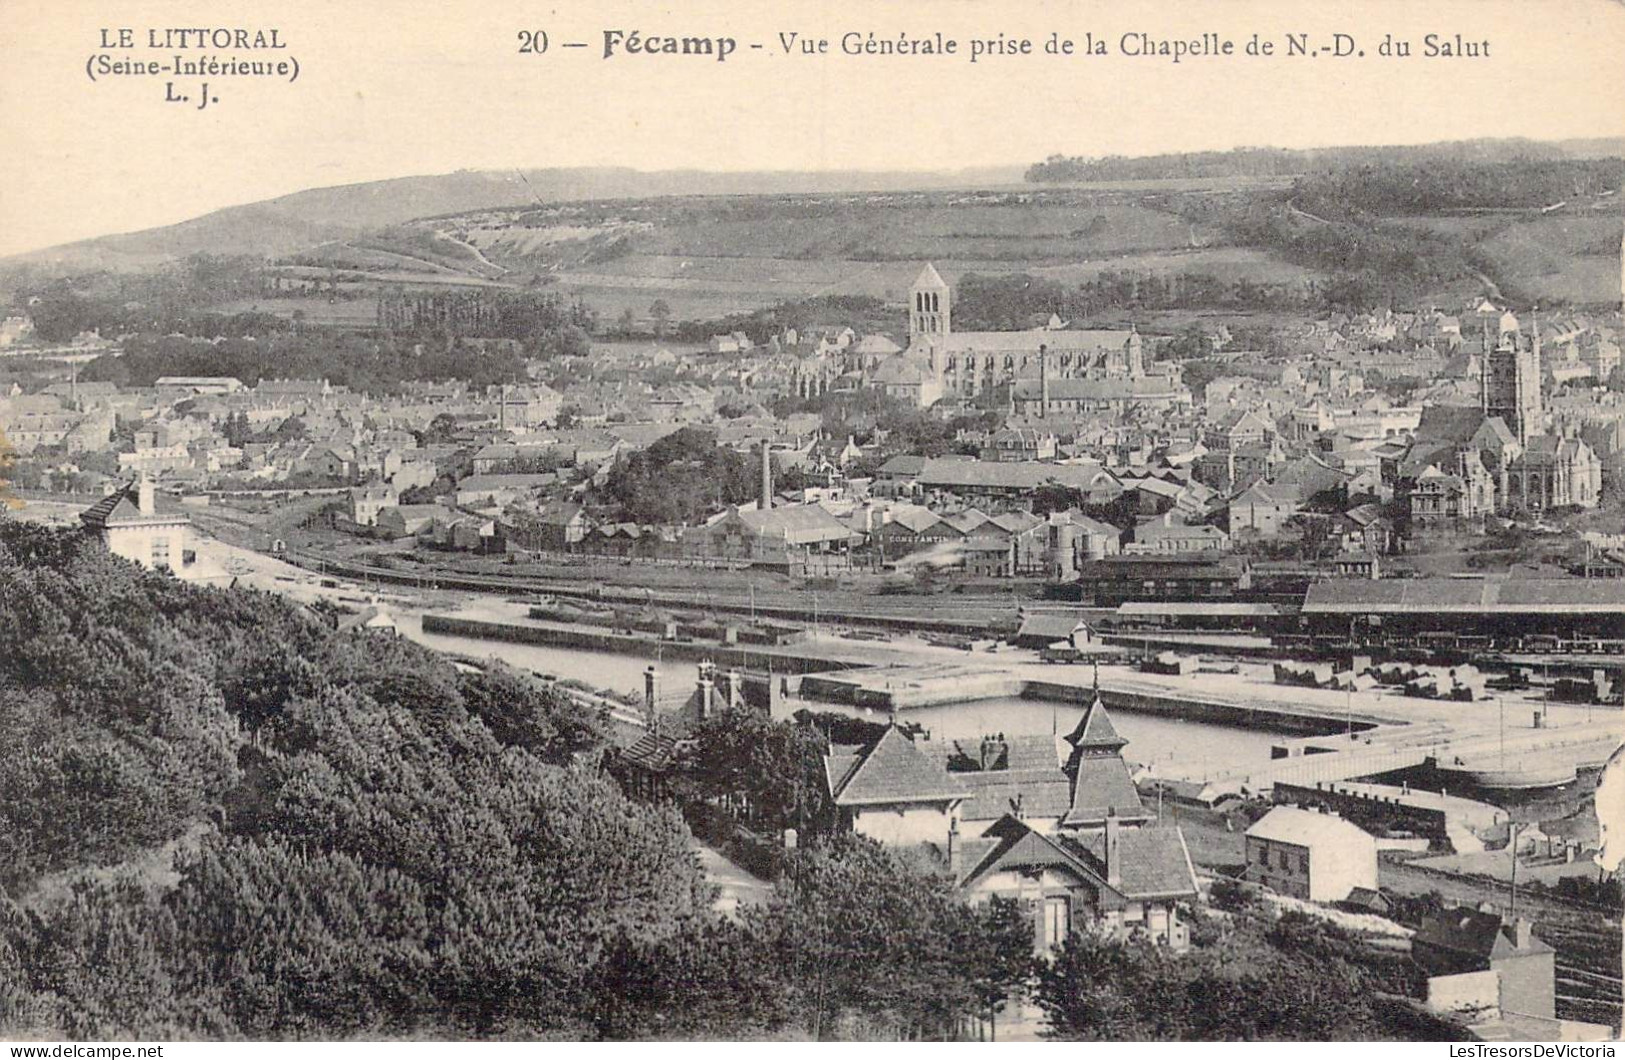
x=774, y=770
x=871, y=943
x=441, y=430
x=660, y=313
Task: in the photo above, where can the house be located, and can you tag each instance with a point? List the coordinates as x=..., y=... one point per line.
x=908, y=378
x=1464, y=947
x=558, y=527
x=1438, y=498
x=1019, y=443
x=367, y=501
x=331, y=462
x=1364, y=528
x=1056, y=783
x=1125, y=882
x=893, y=792
x=1237, y=430
x=1165, y=535
x=1263, y=509
x=477, y=490
x=138, y=524
x=501, y=457
x=1318, y=857
x=407, y=520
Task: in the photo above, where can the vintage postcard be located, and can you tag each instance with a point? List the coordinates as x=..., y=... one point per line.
x=973, y=521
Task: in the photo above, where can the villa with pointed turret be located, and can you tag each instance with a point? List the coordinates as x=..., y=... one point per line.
x=1053, y=822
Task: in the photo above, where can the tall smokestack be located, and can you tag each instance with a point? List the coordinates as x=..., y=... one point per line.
x=1043, y=381
x=766, y=501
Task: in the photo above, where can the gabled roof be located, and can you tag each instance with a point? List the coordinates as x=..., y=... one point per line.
x=967, y=520
x=930, y=278
x=916, y=519
x=891, y=770
x=905, y=466
x=122, y=507
x=1020, y=847
x=1483, y=935
x=1306, y=828
x=1152, y=862
x=1495, y=431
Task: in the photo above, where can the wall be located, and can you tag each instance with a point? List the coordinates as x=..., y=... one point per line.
x=903, y=827
x=1337, y=868
x=1528, y=984
x=1264, y=866
x=135, y=543
x=723, y=655
x=1465, y=992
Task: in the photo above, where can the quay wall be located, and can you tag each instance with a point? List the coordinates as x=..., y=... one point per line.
x=1298, y=721
x=727, y=655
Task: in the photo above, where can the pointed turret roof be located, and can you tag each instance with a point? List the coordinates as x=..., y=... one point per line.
x=1095, y=731
x=930, y=279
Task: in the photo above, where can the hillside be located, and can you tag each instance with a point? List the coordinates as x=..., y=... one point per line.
x=300, y=220
x=1245, y=230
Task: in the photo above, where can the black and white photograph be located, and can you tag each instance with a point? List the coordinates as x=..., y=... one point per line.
x=811, y=522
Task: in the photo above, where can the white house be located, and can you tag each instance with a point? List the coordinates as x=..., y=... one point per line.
x=134, y=522
x=1315, y=856
x=892, y=792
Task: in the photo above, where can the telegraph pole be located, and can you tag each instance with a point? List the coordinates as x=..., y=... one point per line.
x=1515, y=828
x=1501, y=704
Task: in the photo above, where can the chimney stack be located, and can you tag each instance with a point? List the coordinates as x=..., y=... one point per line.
x=1114, y=851
x=733, y=689
x=706, y=689
x=766, y=501
x=1043, y=381
x=146, y=499
x=651, y=697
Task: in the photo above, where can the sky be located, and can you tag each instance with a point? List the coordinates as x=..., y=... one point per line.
x=408, y=87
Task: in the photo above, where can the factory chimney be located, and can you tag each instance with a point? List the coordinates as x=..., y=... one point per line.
x=766, y=500
x=1043, y=381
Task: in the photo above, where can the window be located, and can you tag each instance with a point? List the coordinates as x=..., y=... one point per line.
x=160, y=552
x=1057, y=919
x=1264, y=856
x=1303, y=864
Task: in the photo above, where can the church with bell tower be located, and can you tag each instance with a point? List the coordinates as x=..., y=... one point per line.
x=930, y=313
x=971, y=362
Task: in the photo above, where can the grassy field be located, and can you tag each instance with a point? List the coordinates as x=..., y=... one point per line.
x=708, y=256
